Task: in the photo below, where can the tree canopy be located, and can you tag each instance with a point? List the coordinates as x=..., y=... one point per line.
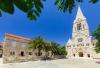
x=68, y=5
x=45, y=46
x=33, y=8
x=96, y=34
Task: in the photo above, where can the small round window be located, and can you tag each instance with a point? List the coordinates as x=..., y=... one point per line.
x=80, y=39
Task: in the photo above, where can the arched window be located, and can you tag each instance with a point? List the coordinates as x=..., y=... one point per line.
x=30, y=53
x=12, y=53
x=0, y=55
x=73, y=45
x=87, y=44
x=79, y=26
x=83, y=26
x=80, y=39
x=75, y=29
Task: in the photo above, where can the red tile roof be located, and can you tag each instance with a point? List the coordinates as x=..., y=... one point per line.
x=1, y=44
x=18, y=37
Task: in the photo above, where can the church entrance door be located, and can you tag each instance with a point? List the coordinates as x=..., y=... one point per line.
x=80, y=54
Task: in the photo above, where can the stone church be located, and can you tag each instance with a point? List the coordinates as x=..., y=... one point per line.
x=81, y=45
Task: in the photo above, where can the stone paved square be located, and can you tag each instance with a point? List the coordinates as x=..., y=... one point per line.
x=60, y=63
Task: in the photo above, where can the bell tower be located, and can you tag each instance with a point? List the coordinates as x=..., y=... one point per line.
x=80, y=44
x=80, y=25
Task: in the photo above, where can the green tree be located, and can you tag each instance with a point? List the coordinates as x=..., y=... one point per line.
x=68, y=5
x=63, y=50
x=58, y=49
x=33, y=8
x=96, y=34
x=39, y=44
x=55, y=48
x=43, y=47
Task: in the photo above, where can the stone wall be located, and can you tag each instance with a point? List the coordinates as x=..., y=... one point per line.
x=17, y=49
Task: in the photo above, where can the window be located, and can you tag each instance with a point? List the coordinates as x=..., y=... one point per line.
x=36, y=54
x=93, y=44
x=69, y=46
x=73, y=45
x=39, y=53
x=0, y=46
x=30, y=53
x=9, y=44
x=88, y=55
x=83, y=26
x=79, y=26
x=78, y=45
x=74, y=55
x=75, y=29
x=13, y=44
x=12, y=53
x=82, y=44
x=87, y=44
x=0, y=55
x=23, y=45
x=80, y=39
x=1, y=50
x=22, y=53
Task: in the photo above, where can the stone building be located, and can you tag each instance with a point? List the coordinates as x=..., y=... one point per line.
x=81, y=44
x=17, y=49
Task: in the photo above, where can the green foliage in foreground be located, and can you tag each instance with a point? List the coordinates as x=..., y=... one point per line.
x=68, y=5
x=96, y=34
x=33, y=8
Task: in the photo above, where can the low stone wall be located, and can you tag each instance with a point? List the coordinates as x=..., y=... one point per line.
x=97, y=55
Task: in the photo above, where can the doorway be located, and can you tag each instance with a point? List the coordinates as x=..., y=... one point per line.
x=81, y=54
x=88, y=55
x=22, y=53
x=0, y=55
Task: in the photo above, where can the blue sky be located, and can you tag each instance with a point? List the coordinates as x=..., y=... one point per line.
x=52, y=25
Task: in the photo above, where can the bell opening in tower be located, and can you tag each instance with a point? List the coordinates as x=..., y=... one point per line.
x=79, y=26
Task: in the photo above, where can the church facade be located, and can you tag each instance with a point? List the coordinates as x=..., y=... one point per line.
x=81, y=44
